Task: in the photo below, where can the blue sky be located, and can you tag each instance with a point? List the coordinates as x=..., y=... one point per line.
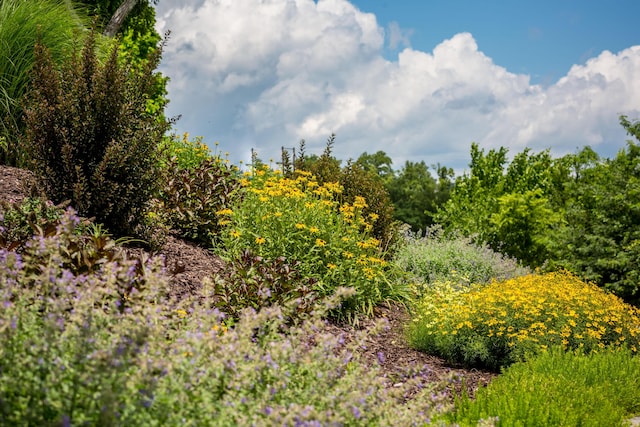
x=419, y=80
x=540, y=38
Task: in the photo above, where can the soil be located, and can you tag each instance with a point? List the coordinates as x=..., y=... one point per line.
x=188, y=264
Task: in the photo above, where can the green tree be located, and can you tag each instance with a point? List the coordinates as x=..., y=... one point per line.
x=507, y=205
x=413, y=194
x=601, y=241
x=22, y=24
x=378, y=163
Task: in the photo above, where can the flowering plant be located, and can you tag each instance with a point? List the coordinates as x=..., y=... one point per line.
x=304, y=221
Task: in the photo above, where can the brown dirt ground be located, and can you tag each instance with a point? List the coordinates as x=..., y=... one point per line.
x=188, y=264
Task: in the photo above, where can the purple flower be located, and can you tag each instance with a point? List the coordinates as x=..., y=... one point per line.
x=268, y=410
x=356, y=412
x=381, y=357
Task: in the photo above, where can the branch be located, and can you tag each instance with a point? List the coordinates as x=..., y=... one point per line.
x=119, y=17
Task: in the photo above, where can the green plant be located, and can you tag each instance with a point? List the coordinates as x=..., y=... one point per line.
x=437, y=257
x=23, y=24
x=109, y=348
x=20, y=221
x=197, y=190
x=358, y=182
x=252, y=281
x=300, y=220
x=497, y=324
x=89, y=138
x=558, y=388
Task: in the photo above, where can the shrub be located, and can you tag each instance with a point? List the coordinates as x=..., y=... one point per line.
x=358, y=182
x=301, y=221
x=558, y=388
x=255, y=282
x=20, y=221
x=108, y=348
x=197, y=186
x=89, y=138
x=438, y=258
x=501, y=323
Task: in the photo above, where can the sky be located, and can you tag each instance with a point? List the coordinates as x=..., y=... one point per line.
x=420, y=80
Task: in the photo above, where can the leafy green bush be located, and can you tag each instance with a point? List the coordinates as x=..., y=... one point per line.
x=497, y=324
x=558, y=388
x=109, y=348
x=252, y=281
x=89, y=138
x=439, y=258
x=301, y=221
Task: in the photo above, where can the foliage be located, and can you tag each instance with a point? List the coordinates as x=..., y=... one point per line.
x=23, y=24
x=300, y=220
x=357, y=180
x=444, y=258
x=358, y=183
x=325, y=168
x=602, y=239
x=89, y=138
x=21, y=220
x=507, y=205
x=417, y=196
x=378, y=163
x=255, y=282
x=196, y=188
x=109, y=348
x=503, y=322
x=558, y=388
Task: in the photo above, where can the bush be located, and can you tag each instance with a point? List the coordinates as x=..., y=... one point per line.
x=20, y=221
x=503, y=322
x=89, y=138
x=559, y=388
x=301, y=221
x=255, y=282
x=436, y=258
x=109, y=348
x=358, y=182
x=197, y=185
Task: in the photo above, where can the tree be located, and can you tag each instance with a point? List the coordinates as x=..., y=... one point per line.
x=601, y=240
x=378, y=163
x=412, y=193
x=507, y=205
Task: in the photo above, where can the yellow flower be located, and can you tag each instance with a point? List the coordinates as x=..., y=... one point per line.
x=235, y=234
x=314, y=230
x=300, y=226
x=347, y=254
x=225, y=211
x=320, y=242
x=331, y=266
x=181, y=313
x=260, y=240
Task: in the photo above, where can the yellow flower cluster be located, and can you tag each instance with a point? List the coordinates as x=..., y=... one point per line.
x=532, y=313
x=300, y=219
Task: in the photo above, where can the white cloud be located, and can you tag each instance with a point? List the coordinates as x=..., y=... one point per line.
x=265, y=74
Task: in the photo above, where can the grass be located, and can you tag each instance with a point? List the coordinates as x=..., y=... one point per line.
x=559, y=388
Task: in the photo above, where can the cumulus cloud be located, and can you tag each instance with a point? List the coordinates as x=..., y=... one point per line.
x=265, y=74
